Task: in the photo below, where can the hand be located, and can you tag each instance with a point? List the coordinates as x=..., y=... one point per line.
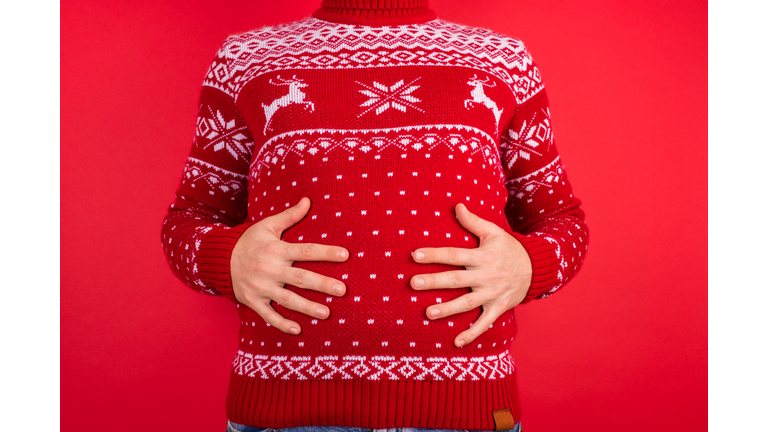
x=261, y=265
x=498, y=271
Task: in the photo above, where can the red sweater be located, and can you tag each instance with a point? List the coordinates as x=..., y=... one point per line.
x=386, y=118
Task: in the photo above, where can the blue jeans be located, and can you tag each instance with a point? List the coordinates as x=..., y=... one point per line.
x=237, y=427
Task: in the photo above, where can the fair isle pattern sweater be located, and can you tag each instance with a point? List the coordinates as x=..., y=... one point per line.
x=385, y=119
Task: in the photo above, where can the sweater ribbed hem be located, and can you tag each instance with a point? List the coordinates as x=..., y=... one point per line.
x=545, y=264
x=215, y=256
x=447, y=404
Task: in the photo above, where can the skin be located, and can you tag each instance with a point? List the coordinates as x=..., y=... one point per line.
x=498, y=271
x=261, y=265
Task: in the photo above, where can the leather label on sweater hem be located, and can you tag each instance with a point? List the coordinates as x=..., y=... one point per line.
x=503, y=419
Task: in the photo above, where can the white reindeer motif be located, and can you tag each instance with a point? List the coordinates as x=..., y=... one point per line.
x=478, y=96
x=294, y=96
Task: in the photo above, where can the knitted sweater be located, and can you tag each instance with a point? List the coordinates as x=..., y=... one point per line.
x=386, y=117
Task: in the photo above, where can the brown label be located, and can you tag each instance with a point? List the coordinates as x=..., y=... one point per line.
x=503, y=419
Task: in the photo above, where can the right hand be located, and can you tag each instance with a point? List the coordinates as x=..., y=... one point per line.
x=261, y=265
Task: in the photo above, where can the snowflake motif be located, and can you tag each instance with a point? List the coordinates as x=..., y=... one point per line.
x=397, y=96
x=532, y=134
x=224, y=134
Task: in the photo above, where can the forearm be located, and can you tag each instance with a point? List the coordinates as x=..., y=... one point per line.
x=542, y=210
x=210, y=207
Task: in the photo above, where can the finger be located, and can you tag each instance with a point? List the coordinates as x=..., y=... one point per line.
x=448, y=255
x=483, y=323
x=289, y=299
x=447, y=279
x=474, y=223
x=303, y=278
x=314, y=252
x=270, y=315
x=465, y=303
x=280, y=222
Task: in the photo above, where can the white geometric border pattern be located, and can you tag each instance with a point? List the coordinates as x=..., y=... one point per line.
x=546, y=177
x=408, y=138
x=316, y=44
x=214, y=179
x=374, y=368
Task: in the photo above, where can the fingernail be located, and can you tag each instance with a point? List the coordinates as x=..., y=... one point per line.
x=320, y=312
x=341, y=254
x=461, y=342
x=418, y=255
x=435, y=312
x=418, y=282
x=337, y=289
x=293, y=330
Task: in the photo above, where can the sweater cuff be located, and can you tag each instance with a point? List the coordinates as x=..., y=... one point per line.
x=545, y=264
x=213, y=262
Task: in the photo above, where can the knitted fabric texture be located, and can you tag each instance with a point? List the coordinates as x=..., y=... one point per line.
x=386, y=128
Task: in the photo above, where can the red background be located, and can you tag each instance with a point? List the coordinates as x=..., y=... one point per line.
x=622, y=347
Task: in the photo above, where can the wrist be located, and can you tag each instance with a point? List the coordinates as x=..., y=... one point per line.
x=545, y=264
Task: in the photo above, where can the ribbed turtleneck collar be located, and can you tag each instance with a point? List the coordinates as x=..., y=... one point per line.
x=375, y=12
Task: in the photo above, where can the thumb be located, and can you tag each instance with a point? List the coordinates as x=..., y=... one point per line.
x=474, y=223
x=288, y=217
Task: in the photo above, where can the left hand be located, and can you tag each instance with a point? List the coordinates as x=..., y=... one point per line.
x=498, y=271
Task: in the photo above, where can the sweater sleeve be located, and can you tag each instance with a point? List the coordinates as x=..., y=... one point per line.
x=545, y=215
x=209, y=211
